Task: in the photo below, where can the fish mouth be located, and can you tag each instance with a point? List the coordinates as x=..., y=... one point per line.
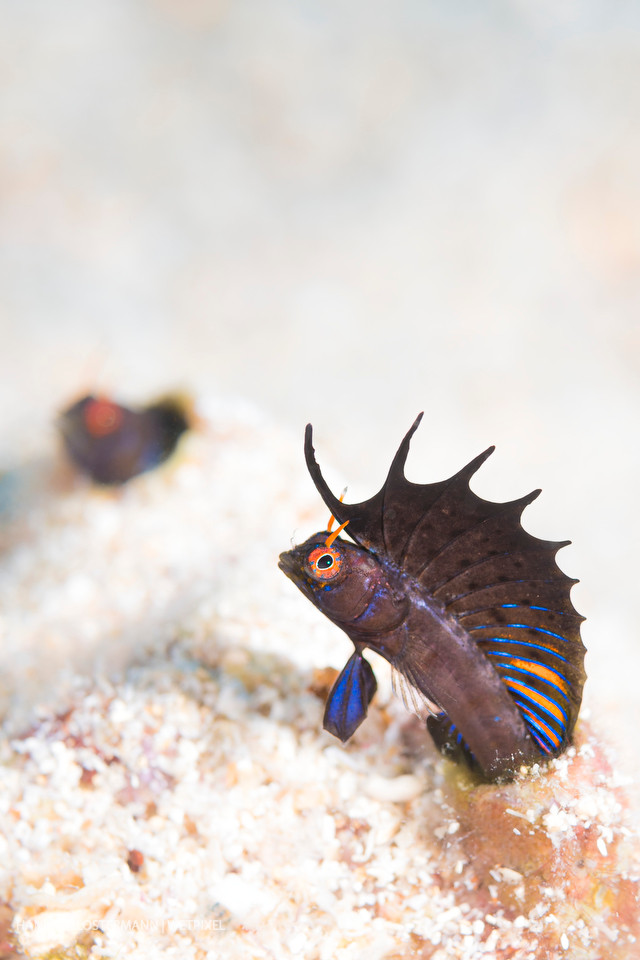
x=287, y=563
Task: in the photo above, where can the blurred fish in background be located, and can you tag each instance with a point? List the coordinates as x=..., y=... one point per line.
x=112, y=443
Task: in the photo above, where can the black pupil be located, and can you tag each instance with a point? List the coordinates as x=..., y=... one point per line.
x=324, y=562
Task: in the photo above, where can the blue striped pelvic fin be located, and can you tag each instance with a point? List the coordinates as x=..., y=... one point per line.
x=350, y=697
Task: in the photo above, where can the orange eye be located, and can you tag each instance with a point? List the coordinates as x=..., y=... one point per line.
x=102, y=417
x=325, y=562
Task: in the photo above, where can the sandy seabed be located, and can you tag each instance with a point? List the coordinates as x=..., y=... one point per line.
x=168, y=790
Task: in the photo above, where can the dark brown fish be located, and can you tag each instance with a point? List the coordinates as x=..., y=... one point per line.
x=471, y=611
x=112, y=443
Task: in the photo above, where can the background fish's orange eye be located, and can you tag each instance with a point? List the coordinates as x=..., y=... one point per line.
x=102, y=417
x=325, y=562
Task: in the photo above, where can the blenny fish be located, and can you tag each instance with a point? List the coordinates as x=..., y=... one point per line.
x=112, y=443
x=470, y=610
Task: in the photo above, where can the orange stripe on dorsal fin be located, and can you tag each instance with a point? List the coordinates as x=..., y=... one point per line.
x=553, y=736
x=538, y=698
x=544, y=673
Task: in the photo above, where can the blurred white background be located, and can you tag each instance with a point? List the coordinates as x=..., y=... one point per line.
x=345, y=213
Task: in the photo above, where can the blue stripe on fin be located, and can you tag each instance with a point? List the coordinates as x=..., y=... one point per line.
x=529, y=673
x=539, y=705
x=518, y=626
x=520, y=643
x=542, y=745
x=350, y=697
x=531, y=722
x=531, y=606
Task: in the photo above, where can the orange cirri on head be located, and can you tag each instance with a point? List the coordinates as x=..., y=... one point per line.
x=102, y=417
x=332, y=519
x=335, y=534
